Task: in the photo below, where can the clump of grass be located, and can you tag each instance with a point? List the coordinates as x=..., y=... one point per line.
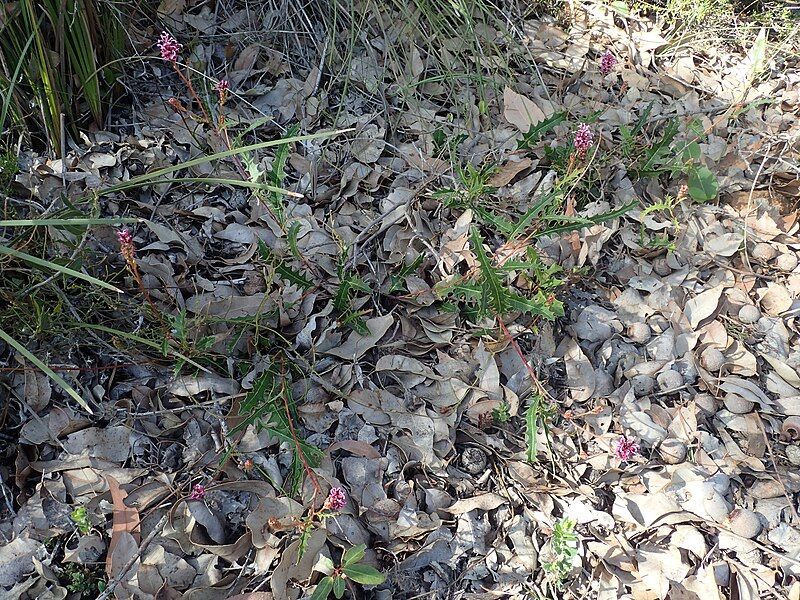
x=8, y=169
x=722, y=22
x=57, y=61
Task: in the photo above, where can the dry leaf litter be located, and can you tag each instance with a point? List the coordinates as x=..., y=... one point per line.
x=674, y=443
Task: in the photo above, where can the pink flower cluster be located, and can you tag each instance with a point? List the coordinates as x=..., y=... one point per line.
x=336, y=500
x=625, y=448
x=583, y=140
x=169, y=47
x=126, y=247
x=607, y=62
x=198, y=492
x=125, y=237
x=222, y=88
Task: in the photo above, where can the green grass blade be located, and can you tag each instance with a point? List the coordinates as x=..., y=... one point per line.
x=222, y=181
x=531, y=429
x=46, y=370
x=148, y=177
x=56, y=222
x=141, y=340
x=56, y=267
x=13, y=82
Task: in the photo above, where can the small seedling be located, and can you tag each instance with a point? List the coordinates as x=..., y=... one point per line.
x=563, y=550
x=80, y=516
x=666, y=207
x=350, y=569
x=473, y=186
x=501, y=413
x=350, y=284
x=666, y=155
x=539, y=414
x=81, y=580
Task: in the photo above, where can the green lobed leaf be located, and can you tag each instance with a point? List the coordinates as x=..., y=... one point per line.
x=492, y=285
x=537, y=130
x=364, y=574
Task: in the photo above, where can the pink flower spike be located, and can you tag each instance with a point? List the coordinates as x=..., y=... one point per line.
x=125, y=237
x=607, y=62
x=583, y=140
x=169, y=47
x=126, y=247
x=198, y=492
x=223, y=87
x=625, y=448
x=336, y=500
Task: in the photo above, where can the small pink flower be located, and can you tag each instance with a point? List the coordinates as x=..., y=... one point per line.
x=198, y=492
x=336, y=500
x=169, y=47
x=607, y=62
x=125, y=237
x=583, y=140
x=223, y=87
x=126, y=247
x=625, y=448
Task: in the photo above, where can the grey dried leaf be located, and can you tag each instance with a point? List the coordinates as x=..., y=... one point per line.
x=356, y=345
x=107, y=443
x=16, y=559
x=487, y=501
x=703, y=305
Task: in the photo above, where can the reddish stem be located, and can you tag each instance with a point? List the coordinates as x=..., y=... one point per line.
x=299, y=449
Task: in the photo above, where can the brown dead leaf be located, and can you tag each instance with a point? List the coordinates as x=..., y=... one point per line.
x=508, y=171
x=776, y=299
x=520, y=111
x=126, y=520
x=291, y=568
x=171, y=8
x=356, y=447
x=247, y=58
x=356, y=344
